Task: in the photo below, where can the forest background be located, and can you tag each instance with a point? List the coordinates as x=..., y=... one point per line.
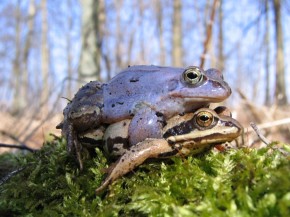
x=49, y=48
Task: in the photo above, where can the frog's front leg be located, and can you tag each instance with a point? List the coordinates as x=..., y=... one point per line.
x=146, y=123
x=83, y=113
x=73, y=145
x=136, y=155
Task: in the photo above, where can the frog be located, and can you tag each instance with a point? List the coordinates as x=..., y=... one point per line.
x=147, y=94
x=183, y=135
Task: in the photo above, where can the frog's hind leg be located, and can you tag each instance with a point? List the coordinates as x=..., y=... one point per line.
x=136, y=155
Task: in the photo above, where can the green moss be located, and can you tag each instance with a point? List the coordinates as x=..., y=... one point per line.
x=237, y=183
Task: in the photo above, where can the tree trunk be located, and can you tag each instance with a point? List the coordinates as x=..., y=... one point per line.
x=280, y=90
x=141, y=29
x=177, y=34
x=89, y=66
x=44, y=58
x=208, y=33
x=69, y=52
x=102, y=35
x=18, y=102
x=267, y=52
x=221, y=57
x=159, y=14
x=118, y=34
x=27, y=48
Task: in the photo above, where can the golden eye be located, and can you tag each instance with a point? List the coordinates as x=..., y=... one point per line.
x=204, y=119
x=192, y=75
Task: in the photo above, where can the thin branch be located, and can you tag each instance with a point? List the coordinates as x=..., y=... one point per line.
x=22, y=147
x=11, y=174
x=9, y=135
x=272, y=124
x=262, y=137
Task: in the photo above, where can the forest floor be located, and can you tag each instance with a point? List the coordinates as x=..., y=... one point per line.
x=32, y=132
x=274, y=123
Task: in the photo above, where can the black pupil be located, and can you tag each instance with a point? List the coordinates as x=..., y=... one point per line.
x=192, y=75
x=204, y=118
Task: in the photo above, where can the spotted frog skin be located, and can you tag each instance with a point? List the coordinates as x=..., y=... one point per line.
x=183, y=135
x=149, y=95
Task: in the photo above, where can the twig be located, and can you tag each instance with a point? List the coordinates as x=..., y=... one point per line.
x=11, y=136
x=263, y=138
x=271, y=124
x=22, y=147
x=11, y=174
x=274, y=123
x=208, y=33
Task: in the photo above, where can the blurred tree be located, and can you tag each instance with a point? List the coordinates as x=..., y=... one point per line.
x=221, y=57
x=18, y=101
x=44, y=58
x=102, y=17
x=69, y=51
x=118, y=34
x=177, y=34
x=27, y=50
x=159, y=15
x=280, y=90
x=89, y=64
x=141, y=8
x=209, y=33
x=267, y=52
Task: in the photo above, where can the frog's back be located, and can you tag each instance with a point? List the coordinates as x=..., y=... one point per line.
x=137, y=84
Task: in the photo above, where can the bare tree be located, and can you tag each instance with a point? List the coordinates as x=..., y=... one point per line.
x=208, y=33
x=44, y=58
x=102, y=35
x=89, y=64
x=267, y=52
x=177, y=34
x=27, y=50
x=141, y=9
x=280, y=91
x=118, y=34
x=159, y=14
x=69, y=51
x=18, y=101
x=221, y=56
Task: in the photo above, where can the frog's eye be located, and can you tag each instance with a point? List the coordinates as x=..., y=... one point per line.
x=204, y=119
x=192, y=75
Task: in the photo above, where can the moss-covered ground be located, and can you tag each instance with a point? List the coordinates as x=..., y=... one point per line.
x=240, y=182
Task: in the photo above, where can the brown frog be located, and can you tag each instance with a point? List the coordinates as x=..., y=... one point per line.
x=183, y=135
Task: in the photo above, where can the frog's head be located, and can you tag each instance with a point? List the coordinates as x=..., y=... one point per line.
x=198, y=85
x=205, y=128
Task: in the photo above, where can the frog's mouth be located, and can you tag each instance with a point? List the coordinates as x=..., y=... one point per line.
x=211, y=89
x=203, y=99
x=217, y=94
